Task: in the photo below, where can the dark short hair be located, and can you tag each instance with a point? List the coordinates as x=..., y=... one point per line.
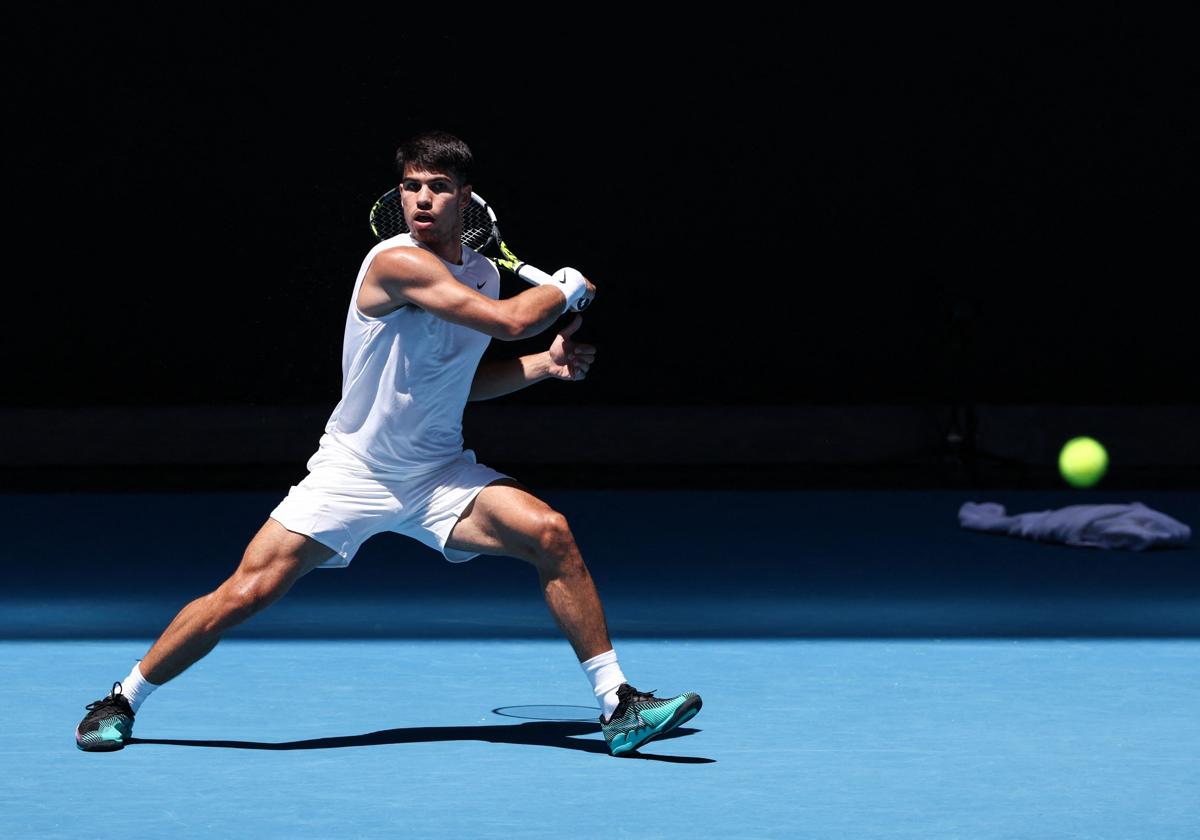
x=435, y=151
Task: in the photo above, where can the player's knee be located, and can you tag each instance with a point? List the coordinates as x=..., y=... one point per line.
x=235, y=602
x=554, y=539
x=244, y=595
x=256, y=596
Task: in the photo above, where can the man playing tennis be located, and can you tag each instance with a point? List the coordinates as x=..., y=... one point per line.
x=423, y=311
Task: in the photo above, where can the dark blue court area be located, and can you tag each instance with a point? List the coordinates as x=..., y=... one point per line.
x=868, y=669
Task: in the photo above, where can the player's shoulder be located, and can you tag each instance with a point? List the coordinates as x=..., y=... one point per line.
x=401, y=243
x=395, y=257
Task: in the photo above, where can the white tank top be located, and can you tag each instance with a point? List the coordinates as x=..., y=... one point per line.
x=405, y=378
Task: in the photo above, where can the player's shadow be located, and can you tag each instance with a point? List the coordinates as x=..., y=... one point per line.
x=560, y=734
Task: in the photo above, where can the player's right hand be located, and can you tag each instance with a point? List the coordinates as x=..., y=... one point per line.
x=585, y=301
x=578, y=289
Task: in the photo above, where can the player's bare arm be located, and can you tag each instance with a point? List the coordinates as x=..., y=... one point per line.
x=405, y=275
x=566, y=359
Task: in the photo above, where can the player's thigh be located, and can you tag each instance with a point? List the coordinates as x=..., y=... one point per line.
x=504, y=518
x=279, y=554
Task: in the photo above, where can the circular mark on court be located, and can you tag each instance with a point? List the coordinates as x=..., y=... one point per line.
x=587, y=713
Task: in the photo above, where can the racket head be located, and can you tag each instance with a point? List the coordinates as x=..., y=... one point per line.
x=479, y=229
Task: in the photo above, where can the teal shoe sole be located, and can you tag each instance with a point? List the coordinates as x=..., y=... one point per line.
x=95, y=742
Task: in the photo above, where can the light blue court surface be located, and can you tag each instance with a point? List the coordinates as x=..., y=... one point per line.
x=868, y=668
x=922, y=739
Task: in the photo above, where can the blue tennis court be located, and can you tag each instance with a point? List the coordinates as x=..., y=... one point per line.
x=868, y=669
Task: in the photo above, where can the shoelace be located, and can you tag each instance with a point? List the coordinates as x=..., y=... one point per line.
x=636, y=695
x=110, y=701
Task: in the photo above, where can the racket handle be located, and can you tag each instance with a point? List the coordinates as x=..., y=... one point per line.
x=534, y=275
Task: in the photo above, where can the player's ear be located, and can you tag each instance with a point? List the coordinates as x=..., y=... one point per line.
x=466, y=192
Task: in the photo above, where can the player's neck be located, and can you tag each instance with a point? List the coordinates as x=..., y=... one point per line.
x=449, y=248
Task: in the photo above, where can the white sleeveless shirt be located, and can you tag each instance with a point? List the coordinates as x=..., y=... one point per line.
x=405, y=378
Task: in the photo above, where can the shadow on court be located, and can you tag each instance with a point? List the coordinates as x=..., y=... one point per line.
x=559, y=734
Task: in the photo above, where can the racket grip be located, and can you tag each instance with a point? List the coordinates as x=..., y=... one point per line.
x=531, y=274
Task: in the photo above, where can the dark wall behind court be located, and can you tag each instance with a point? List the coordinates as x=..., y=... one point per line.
x=828, y=211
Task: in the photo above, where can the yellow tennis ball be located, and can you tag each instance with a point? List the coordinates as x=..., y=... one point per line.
x=1082, y=461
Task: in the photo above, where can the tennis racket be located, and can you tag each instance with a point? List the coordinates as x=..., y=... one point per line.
x=480, y=232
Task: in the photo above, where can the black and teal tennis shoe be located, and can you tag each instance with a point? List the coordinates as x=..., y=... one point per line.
x=640, y=717
x=108, y=725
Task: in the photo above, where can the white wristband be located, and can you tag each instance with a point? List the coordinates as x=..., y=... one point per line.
x=571, y=283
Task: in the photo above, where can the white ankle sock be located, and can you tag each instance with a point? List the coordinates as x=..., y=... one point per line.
x=605, y=675
x=136, y=689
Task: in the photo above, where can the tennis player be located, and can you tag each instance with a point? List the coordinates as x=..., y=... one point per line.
x=422, y=312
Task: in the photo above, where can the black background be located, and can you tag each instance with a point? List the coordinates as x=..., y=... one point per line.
x=774, y=210
x=780, y=211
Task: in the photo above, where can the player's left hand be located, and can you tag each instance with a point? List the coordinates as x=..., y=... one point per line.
x=570, y=359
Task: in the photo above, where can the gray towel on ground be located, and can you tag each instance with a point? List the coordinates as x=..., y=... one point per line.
x=1133, y=526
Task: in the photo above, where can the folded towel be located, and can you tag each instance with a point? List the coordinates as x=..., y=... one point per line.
x=1134, y=526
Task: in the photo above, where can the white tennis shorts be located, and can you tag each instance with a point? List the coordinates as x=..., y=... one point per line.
x=342, y=504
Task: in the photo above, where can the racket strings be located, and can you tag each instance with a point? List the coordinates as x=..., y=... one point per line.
x=477, y=226
x=387, y=220
x=387, y=217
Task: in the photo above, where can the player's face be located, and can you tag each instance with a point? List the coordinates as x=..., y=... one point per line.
x=432, y=203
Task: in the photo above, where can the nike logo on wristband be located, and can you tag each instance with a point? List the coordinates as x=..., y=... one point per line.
x=481, y=285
